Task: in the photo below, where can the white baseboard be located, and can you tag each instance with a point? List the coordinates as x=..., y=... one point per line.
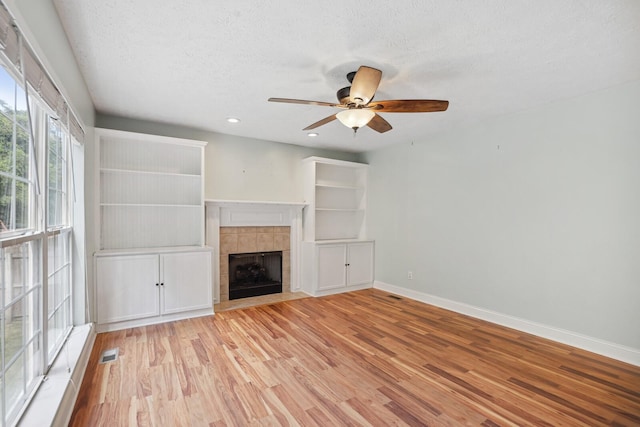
x=594, y=345
x=326, y=292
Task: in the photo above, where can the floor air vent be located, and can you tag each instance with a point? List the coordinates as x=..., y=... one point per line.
x=110, y=355
x=394, y=296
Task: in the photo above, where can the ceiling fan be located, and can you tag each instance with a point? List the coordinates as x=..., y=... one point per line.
x=358, y=107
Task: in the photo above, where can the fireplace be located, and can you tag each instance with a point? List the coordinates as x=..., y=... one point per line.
x=254, y=274
x=234, y=227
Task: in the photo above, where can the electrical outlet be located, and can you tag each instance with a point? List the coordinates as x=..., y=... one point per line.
x=410, y=275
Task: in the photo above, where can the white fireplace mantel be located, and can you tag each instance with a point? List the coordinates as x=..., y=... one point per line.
x=246, y=213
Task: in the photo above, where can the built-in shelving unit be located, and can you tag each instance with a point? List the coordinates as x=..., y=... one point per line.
x=337, y=256
x=151, y=191
x=336, y=193
x=152, y=265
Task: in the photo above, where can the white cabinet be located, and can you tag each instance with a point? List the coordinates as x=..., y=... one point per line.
x=151, y=190
x=135, y=289
x=186, y=285
x=337, y=256
x=127, y=288
x=360, y=264
x=331, y=264
x=335, y=192
x=331, y=267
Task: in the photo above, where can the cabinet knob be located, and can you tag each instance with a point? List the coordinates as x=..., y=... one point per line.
x=161, y=284
x=157, y=284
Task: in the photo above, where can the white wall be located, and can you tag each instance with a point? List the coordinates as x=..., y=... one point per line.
x=534, y=215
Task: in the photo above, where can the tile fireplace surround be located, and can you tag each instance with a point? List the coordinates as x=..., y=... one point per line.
x=238, y=240
x=252, y=226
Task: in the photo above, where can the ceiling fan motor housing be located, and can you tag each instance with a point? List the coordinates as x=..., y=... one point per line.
x=343, y=95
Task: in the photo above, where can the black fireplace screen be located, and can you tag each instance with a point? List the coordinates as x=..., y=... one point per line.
x=253, y=274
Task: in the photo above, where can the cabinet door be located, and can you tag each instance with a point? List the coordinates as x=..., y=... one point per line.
x=331, y=266
x=360, y=260
x=186, y=279
x=126, y=288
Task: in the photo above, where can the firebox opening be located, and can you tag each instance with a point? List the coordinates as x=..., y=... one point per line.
x=253, y=274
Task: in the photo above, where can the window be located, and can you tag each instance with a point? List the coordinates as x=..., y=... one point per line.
x=20, y=259
x=21, y=289
x=59, y=322
x=37, y=128
x=15, y=156
x=57, y=142
x=35, y=231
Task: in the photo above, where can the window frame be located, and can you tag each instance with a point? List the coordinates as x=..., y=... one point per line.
x=29, y=383
x=30, y=179
x=43, y=347
x=63, y=158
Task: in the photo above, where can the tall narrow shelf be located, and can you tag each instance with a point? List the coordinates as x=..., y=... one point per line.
x=336, y=193
x=152, y=265
x=151, y=191
x=337, y=256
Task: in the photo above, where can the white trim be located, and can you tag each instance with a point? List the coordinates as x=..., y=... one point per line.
x=151, y=251
x=134, y=136
x=335, y=162
x=222, y=202
x=21, y=238
x=53, y=403
x=338, y=290
x=154, y=320
x=594, y=345
x=248, y=213
x=238, y=213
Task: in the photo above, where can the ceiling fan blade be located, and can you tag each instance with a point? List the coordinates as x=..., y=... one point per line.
x=379, y=124
x=321, y=122
x=364, y=85
x=302, y=101
x=410, y=106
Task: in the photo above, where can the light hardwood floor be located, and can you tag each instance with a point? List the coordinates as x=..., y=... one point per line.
x=362, y=358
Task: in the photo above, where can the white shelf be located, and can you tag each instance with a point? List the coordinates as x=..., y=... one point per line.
x=336, y=193
x=337, y=210
x=144, y=226
x=337, y=256
x=128, y=151
x=150, y=205
x=340, y=187
x=151, y=191
x=151, y=188
x=140, y=172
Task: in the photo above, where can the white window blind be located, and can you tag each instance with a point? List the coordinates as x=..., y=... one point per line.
x=35, y=74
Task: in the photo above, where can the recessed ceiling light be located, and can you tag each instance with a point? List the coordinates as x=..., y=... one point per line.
x=313, y=134
x=233, y=120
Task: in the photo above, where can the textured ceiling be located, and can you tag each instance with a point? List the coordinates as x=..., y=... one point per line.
x=195, y=63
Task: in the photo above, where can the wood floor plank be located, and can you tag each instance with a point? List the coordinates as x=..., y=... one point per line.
x=361, y=358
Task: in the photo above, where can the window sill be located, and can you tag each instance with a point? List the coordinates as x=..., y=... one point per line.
x=53, y=402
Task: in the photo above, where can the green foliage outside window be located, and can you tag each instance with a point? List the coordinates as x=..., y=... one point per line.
x=14, y=163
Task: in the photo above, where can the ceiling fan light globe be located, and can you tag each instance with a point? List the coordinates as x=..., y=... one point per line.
x=355, y=118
